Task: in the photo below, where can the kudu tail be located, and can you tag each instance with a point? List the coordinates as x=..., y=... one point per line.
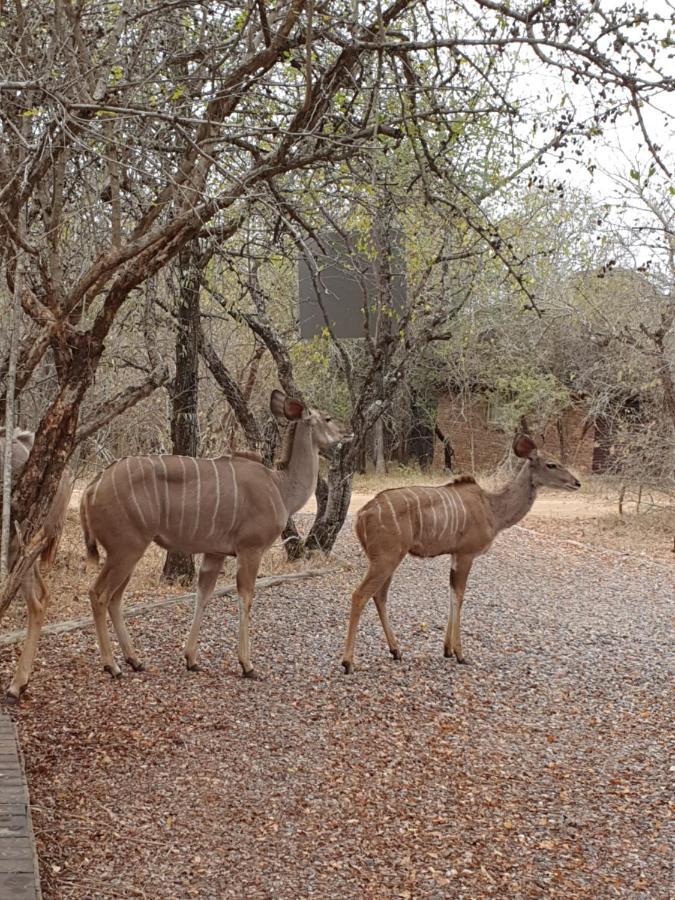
x=89, y=537
x=56, y=518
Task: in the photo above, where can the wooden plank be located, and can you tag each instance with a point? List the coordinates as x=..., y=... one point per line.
x=17, y=885
x=19, y=874
x=16, y=848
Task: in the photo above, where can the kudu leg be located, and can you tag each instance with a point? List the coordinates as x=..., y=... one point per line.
x=381, y=604
x=206, y=581
x=109, y=580
x=36, y=597
x=459, y=573
x=247, y=571
x=377, y=578
x=117, y=618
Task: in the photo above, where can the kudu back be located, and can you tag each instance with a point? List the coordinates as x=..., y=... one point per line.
x=229, y=506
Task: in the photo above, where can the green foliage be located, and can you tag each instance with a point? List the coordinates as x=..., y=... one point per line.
x=536, y=396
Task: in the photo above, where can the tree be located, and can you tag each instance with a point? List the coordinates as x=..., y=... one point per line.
x=131, y=131
x=184, y=389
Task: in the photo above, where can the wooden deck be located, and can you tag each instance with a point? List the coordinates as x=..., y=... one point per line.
x=19, y=877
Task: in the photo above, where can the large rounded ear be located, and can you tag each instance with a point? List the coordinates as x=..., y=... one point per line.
x=277, y=404
x=27, y=438
x=284, y=408
x=524, y=447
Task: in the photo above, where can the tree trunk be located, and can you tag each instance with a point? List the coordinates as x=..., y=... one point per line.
x=180, y=567
x=420, y=437
x=448, y=451
x=378, y=448
x=326, y=527
x=10, y=419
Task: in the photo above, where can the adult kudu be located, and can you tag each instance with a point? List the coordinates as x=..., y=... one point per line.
x=458, y=518
x=33, y=587
x=230, y=506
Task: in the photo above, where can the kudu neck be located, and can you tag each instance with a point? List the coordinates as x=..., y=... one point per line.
x=513, y=502
x=297, y=479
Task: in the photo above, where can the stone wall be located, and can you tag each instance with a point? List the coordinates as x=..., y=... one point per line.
x=481, y=446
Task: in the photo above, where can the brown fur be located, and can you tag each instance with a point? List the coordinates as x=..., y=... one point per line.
x=287, y=447
x=459, y=518
x=249, y=454
x=231, y=506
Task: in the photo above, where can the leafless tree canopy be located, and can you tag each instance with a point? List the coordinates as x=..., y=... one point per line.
x=131, y=129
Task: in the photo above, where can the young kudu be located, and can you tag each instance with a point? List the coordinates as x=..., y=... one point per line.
x=459, y=518
x=33, y=587
x=230, y=506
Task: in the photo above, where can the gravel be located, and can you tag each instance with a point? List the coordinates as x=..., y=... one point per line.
x=539, y=770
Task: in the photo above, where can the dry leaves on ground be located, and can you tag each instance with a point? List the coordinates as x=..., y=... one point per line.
x=539, y=770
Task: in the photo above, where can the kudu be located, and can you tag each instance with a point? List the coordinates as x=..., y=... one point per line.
x=33, y=587
x=458, y=518
x=230, y=506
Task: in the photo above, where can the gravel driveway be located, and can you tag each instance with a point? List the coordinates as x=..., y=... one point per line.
x=538, y=770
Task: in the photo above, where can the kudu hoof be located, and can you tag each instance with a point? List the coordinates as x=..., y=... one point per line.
x=250, y=673
x=12, y=699
x=114, y=673
x=396, y=654
x=448, y=654
x=347, y=666
x=136, y=665
x=192, y=667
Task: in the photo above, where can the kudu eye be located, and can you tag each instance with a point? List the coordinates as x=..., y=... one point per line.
x=551, y=466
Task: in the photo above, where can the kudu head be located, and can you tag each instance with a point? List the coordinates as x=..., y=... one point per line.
x=22, y=444
x=324, y=429
x=544, y=471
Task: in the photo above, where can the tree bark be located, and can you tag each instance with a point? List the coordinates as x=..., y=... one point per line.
x=180, y=567
x=334, y=503
x=378, y=448
x=10, y=417
x=448, y=451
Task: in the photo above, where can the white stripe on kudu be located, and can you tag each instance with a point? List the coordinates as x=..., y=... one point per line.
x=412, y=493
x=461, y=503
x=455, y=514
x=183, y=493
x=94, y=493
x=132, y=490
x=199, y=496
x=378, y=507
x=235, y=502
x=419, y=513
x=166, y=515
x=156, y=489
x=216, y=506
x=433, y=512
x=394, y=517
x=114, y=469
x=404, y=513
x=441, y=494
x=145, y=479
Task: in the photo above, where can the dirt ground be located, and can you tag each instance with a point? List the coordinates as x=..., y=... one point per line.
x=538, y=770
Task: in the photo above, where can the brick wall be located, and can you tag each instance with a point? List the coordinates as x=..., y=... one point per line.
x=481, y=447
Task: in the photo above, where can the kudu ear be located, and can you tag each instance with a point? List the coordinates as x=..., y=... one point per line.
x=283, y=407
x=524, y=447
